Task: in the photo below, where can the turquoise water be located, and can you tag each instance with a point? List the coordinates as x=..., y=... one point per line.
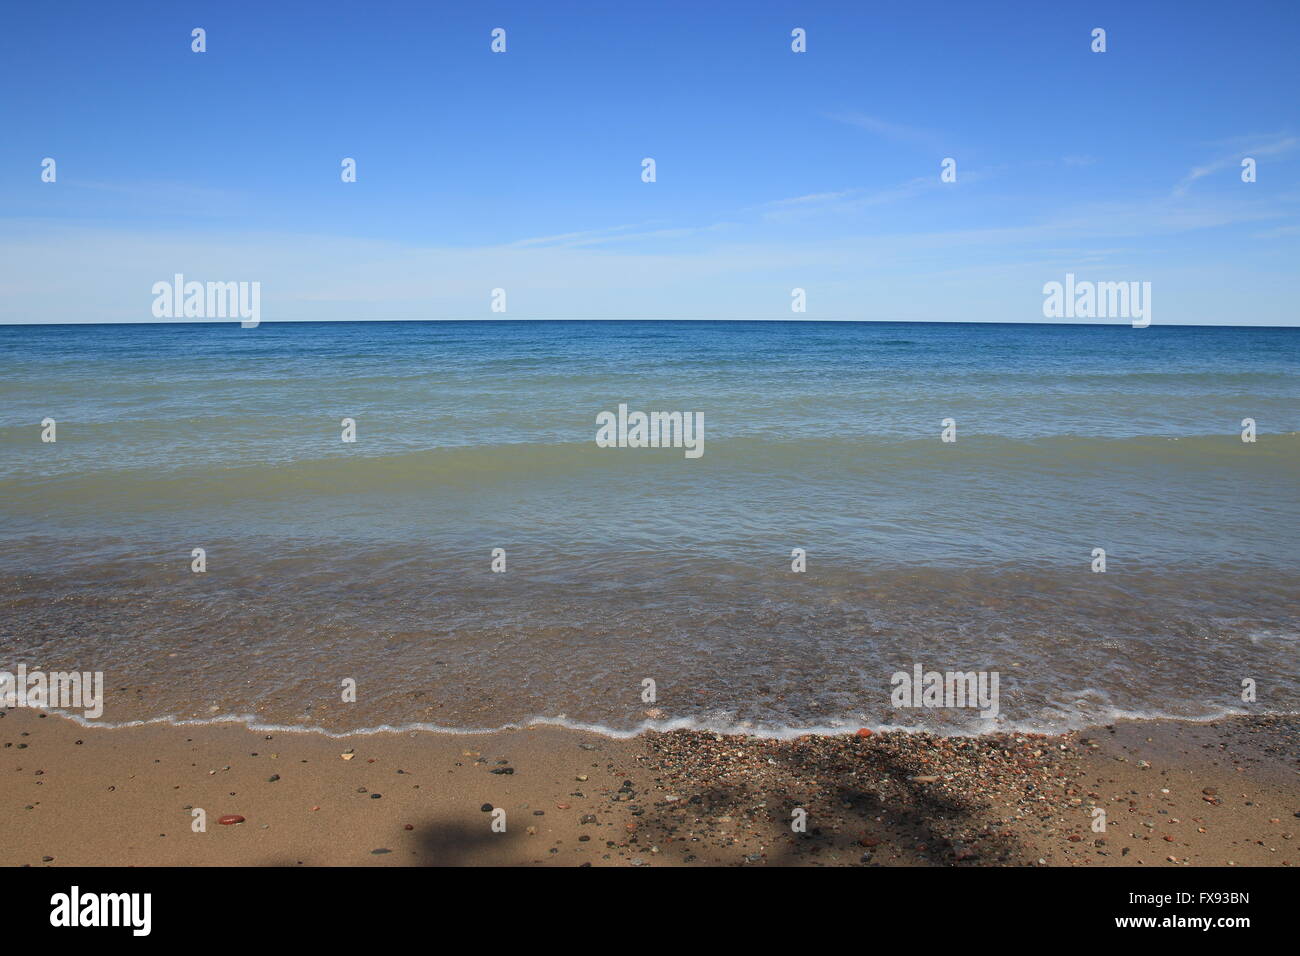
x=371, y=559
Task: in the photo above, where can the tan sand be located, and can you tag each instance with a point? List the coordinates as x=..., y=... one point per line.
x=1225, y=793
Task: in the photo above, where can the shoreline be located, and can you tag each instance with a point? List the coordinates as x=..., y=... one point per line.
x=1220, y=792
x=783, y=734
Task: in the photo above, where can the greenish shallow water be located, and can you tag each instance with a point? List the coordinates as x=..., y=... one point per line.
x=370, y=560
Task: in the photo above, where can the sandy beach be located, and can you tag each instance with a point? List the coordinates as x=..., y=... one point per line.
x=1222, y=793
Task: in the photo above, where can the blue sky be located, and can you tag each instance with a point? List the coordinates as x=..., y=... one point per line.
x=775, y=170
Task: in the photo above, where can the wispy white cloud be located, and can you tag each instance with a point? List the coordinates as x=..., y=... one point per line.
x=1275, y=145
x=896, y=132
x=846, y=200
x=81, y=197
x=1279, y=232
x=850, y=200
x=566, y=238
x=601, y=237
x=811, y=198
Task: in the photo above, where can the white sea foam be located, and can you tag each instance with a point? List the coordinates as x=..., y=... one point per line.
x=979, y=727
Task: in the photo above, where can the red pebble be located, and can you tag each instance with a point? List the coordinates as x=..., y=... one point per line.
x=230, y=818
x=864, y=732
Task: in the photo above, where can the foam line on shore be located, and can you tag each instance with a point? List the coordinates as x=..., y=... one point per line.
x=254, y=723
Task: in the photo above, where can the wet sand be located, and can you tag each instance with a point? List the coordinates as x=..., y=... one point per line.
x=1224, y=793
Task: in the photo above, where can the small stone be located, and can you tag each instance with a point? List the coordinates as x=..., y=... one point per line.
x=230, y=819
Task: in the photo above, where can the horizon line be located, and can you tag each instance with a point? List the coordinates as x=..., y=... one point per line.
x=1122, y=324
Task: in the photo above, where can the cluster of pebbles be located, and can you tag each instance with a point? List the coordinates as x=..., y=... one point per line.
x=865, y=797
